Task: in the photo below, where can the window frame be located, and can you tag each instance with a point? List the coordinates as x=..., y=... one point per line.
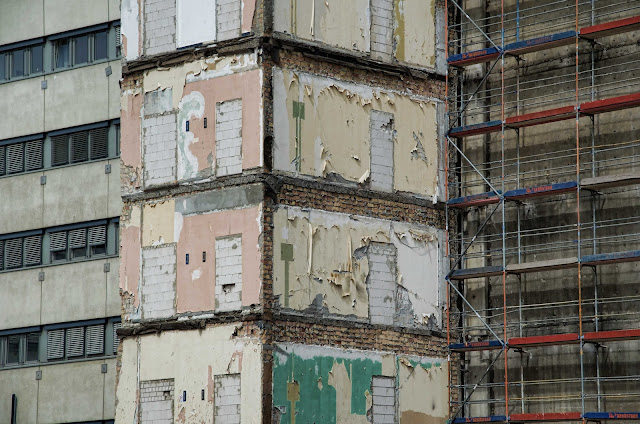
x=22, y=349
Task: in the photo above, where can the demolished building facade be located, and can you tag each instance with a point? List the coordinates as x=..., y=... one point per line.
x=283, y=226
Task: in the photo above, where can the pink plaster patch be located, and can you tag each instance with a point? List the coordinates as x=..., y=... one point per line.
x=198, y=235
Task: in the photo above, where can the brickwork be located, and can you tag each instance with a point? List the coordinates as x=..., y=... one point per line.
x=229, y=137
x=354, y=203
x=227, y=399
x=382, y=282
x=365, y=75
x=353, y=335
x=159, y=277
x=156, y=401
x=159, y=26
x=228, y=19
x=382, y=136
x=159, y=142
x=382, y=29
x=383, y=399
x=229, y=273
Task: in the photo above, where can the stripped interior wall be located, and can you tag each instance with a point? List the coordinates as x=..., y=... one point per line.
x=345, y=151
x=152, y=27
x=384, y=29
x=177, y=114
x=204, y=376
x=329, y=385
x=329, y=263
x=182, y=259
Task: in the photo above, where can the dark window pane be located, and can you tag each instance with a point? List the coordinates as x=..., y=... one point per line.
x=32, y=346
x=82, y=50
x=100, y=41
x=61, y=50
x=13, y=349
x=3, y=75
x=17, y=64
x=36, y=59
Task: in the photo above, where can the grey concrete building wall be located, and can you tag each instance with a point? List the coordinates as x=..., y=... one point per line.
x=69, y=292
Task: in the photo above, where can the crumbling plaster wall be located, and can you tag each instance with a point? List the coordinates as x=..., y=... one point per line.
x=321, y=265
x=190, y=92
x=192, y=358
x=322, y=384
x=192, y=25
x=330, y=138
x=190, y=225
x=348, y=25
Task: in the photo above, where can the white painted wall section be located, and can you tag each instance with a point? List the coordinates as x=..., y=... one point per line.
x=196, y=21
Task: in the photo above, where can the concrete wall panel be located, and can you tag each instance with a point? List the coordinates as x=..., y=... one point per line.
x=65, y=15
x=76, y=194
x=21, y=194
x=131, y=33
x=114, y=199
x=322, y=267
x=131, y=140
x=74, y=291
x=27, y=100
x=21, y=20
x=342, y=149
x=212, y=352
x=23, y=384
x=114, y=89
x=20, y=300
x=72, y=392
x=113, y=307
x=114, y=10
x=414, y=35
x=76, y=97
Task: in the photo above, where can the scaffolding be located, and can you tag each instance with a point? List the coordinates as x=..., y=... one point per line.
x=543, y=166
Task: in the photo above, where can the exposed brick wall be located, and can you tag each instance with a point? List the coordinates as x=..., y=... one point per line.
x=156, y=401
x=159, y=141
x=352, y=203
x=229, y=273
x=229, y=137
x=351, y=335
x=228, y=19
x=159, y=26
x=404, y=82
x=382, y=29
x=159, y=276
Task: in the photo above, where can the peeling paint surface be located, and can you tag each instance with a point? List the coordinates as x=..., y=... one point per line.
x=342, y=150
x=196, y=281
x=329, y=268
x=130, y=142
x=130, y=265
x=329, y=385
x=212, y=352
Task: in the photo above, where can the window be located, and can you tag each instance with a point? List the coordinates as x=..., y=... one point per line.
x=20, y=252
x=79, y=146
x=81, y=49
x=20, y=157
x=18, y=349
x=75, y=342
x=78, y=243
x=118, y=41
x=21, y=62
